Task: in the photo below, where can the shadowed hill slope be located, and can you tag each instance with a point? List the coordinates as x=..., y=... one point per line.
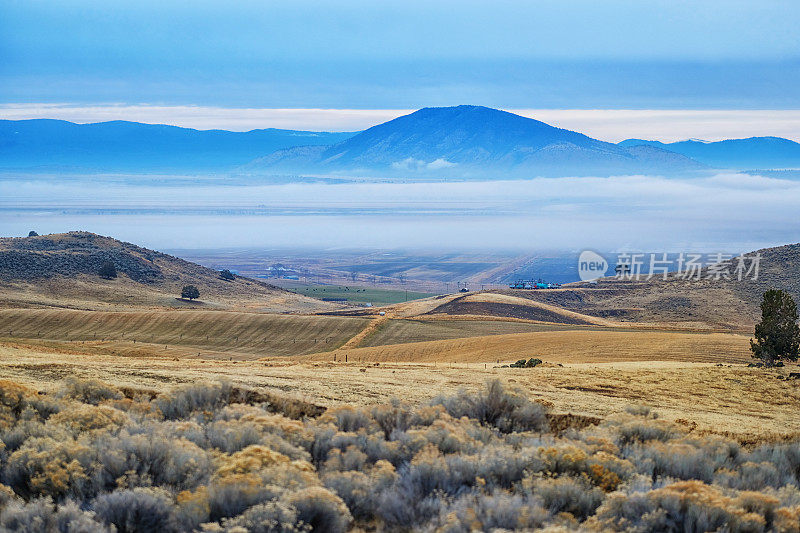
x=717, y=303
x=61, y=270
x=707, y=303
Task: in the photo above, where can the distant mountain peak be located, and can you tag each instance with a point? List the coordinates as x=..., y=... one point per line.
x=471, y=141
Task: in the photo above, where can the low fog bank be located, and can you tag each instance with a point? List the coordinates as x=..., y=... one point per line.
x=722, y=212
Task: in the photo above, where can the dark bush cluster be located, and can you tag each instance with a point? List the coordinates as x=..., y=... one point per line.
x=209, y=457
x=530, y=363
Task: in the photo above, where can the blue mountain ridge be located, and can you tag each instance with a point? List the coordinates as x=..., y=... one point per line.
x=461, y=142
x=750, y=153
x=137, y=147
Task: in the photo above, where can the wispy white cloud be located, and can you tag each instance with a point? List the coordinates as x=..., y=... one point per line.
x=607, y=124
x=668, y=125
x=201, y=117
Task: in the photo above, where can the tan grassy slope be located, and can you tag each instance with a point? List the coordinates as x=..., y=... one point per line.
x=60, y=270
x=563, y=346
x=183, y=332
x=516, y=307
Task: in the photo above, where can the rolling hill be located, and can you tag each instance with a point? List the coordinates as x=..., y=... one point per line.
x=134, y=147
x=673, y=303
x=472, y=141
x=707, y=302
x=751, y=153
x=60, y=270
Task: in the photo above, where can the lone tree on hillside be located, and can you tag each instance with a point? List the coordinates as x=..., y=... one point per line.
x=227, y=275
x=107, y=270
x=777, y=335
x=190, y=292
x=32, y=234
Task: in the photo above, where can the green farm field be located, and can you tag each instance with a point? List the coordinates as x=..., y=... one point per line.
x=353, y=294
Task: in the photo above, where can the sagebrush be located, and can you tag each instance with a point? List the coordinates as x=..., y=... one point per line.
x=86, y=457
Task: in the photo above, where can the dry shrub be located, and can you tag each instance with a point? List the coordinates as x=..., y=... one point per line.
x=488, y=512
x=784, y=456
x=603, y=478
x=14, y=397
x=6, y=495
x=231, y=436
x=360, y=490
x=565, y=495
x=674, y=460
x=46, y=467
x=42, y=515
x=749, y=476
x=137, y=511
x=506, y=410
x=414, y=497
x=351, y=459
x=641, y=410
x=195, y=459
x=638, y=431
x=270, y=517
x=690, y=506
x=430, y=471
x=348, y=419
x=89, y=391
x=21, y=403
x=321, y=509
x=450, y=436
x=394, y=416
x=563, y=459
x=228, y=496
x=88, y=418
x=601, y=468
x=251, y=476
x=182, y=402
x=292, y=431
x=255, y=459
x=787, y=519
x=155, y=457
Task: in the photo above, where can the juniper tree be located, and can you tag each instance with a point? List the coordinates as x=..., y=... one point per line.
x=190, y=292
x=107, y=270
x=777, y=336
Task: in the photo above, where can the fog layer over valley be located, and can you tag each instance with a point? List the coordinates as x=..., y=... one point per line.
x=725, y=211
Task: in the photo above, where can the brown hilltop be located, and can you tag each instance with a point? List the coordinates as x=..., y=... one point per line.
x=672, y=303
x=707, y=302
x=60, y=270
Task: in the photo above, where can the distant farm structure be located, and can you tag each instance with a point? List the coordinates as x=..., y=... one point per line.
x=533, y=285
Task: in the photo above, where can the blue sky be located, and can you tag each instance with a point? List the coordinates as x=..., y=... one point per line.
x=634, y=54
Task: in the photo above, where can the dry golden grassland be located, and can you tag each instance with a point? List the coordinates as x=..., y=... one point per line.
x=186, y=332
x=234, y=421
x=332, y=360
x=726, y=399
x=584, y=345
